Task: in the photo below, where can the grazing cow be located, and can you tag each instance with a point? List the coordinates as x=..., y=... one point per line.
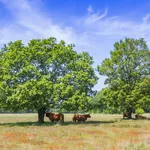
x=55, y=117
x=79, y=117
x=140, y=117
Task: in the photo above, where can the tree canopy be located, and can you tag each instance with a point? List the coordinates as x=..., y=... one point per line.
x=44, y=74
x=127, y=71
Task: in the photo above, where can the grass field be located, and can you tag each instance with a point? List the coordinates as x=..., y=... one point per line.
x=100, y=132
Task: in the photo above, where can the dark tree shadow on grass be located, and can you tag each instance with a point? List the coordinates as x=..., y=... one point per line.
x=67, y=123
x=22, y=124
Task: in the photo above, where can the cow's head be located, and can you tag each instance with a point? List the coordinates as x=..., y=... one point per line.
x=47, y=114
x=88, y=115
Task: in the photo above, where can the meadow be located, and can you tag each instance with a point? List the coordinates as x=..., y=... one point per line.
x=100, y=132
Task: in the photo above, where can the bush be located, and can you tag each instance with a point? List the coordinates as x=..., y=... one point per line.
x=139, y=111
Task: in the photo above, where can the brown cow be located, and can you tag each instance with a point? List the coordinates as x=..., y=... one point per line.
x=125, y=115
x=55, y=117
x=139, y=117
x=79, y=117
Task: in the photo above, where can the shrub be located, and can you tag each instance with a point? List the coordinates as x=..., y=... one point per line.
x=139, y=111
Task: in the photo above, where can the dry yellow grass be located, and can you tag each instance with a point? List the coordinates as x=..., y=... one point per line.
x=101, y=132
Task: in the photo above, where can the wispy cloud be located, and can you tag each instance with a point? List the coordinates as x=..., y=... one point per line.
x=100, y=24
x=113, y=28
x=28, y=23
x=146, y=18
x=94, y=17
x=89, y=9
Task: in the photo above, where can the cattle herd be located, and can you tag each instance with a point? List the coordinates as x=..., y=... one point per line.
x=59, y=117
x=137, y=116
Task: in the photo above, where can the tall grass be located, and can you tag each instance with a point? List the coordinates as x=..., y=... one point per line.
x=100, y=132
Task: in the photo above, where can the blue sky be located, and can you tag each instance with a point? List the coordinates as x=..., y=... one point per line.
x=92, y=25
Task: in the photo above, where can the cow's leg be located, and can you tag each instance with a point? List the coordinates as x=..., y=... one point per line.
x=73, y=120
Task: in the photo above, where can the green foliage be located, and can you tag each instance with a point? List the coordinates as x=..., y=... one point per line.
x=139, y=111
x=45, y=74
x=105, y=102
x=127, y=72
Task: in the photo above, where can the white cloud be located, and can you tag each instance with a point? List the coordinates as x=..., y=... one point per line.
x=94, y=17
x=100, y=27
x=30, y=23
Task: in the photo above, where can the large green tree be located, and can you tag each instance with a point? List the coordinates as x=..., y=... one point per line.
x=126, y=69
x=45, y=74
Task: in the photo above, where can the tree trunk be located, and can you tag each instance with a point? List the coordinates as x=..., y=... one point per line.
x=129, y=113
x=41, y=113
